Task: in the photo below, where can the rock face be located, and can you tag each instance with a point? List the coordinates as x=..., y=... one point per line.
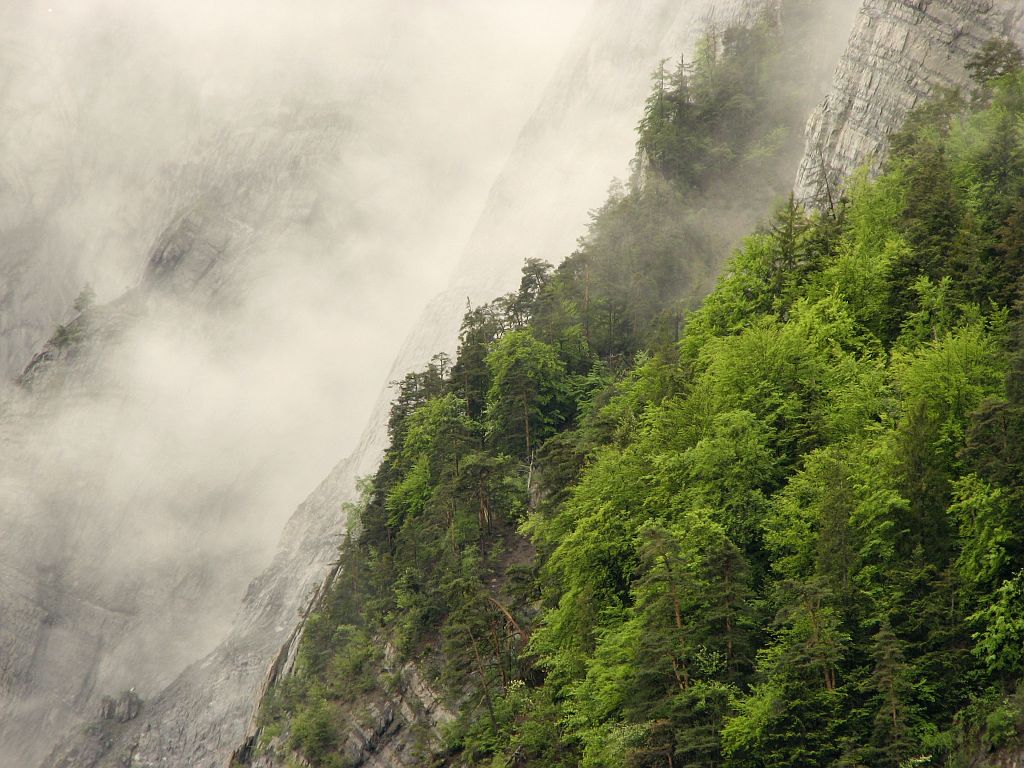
x=899, y=52
x=107, y=580
x=380, y=731
x=122, y=709
x=65, y=165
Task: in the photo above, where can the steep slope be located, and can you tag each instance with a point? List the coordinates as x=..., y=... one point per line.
x=791, y=539
x=582, y=131
x=899, y=52
x=110, y=577
x=385, y=725
x=185, y=722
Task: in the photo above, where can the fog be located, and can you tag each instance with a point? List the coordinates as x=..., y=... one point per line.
x=311, y=171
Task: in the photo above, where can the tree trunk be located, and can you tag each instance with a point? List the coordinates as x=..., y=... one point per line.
x=526, y=424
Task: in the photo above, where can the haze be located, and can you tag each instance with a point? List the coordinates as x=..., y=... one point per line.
x=146, y=473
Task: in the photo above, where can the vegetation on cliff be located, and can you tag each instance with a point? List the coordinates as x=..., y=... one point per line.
x=783, y=529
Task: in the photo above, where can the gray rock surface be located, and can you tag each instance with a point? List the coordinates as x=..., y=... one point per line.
x=400, y=728
x=109, y=580
x=899, y=52
x=122, y=709
x=65, y=165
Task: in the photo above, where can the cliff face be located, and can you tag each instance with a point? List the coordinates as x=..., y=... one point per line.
x=899, y=52
x=109, y=577
x=67, y=165
x=154, y=450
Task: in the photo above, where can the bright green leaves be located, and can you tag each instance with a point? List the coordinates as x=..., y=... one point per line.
x=410, y=497
x=791, y=375
x=525, y=398
x=1000, y=642
x=870, y=245
x=438, y=438
x=942, y=381
x=658, y=680
x=990, y=534
x=731, y=472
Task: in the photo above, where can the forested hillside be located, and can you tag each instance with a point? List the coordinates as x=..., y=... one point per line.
x=780, y=527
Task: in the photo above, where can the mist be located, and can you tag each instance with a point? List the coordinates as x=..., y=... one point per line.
x=309, y=172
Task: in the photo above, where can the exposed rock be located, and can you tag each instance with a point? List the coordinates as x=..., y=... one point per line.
x=122, y=709
x=384, y=729
x=70, y=625
x=900, y=52
x=60, y=152
x=1013, y=758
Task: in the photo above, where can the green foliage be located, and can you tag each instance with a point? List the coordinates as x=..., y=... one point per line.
x=315, y=731
x=527, y=388
x=789, y=533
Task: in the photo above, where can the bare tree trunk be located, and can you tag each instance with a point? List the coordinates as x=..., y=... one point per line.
x=483, y=682
x=526, y=423
x=511, y=620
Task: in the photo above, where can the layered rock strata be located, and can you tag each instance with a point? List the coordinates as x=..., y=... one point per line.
x=899, y=53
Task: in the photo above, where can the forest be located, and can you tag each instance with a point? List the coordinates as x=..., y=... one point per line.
x=646, y=517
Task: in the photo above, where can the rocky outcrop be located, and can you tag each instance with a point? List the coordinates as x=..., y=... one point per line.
x=108, y=577
x=899, y=52
x=66, y=167
x=121, y=709
x=395, y=728
x=1010, y=758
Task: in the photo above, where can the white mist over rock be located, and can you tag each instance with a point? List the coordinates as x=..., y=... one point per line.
x=260, y=198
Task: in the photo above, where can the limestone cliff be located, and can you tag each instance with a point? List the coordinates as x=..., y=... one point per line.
x=899, y=52
x=65, y=167
x=109, y=579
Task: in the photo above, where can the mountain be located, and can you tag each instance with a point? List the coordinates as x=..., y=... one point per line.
x=585, y=121
x=497, y=605
x=152, y=450
x=197, y=709
x=61, y=156
x=109, y=576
